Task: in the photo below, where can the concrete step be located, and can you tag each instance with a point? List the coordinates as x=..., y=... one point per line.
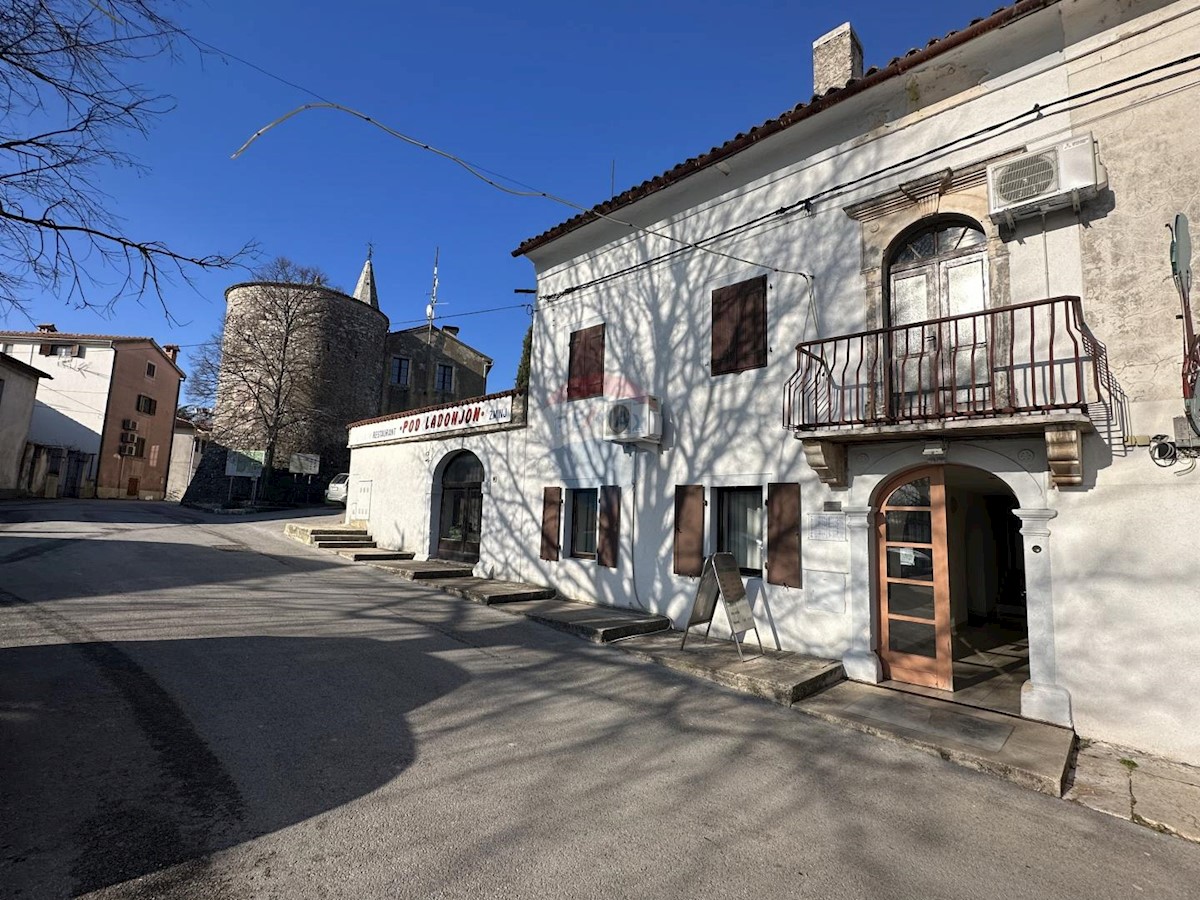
x=598, y=624
x=489, y=591
x=309, y=534
x=376, y=555
x=1032, y=754
x=425, y=569
x=779, y=676
x=340, y=544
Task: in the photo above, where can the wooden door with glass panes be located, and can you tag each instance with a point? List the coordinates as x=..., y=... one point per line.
x=914, y=585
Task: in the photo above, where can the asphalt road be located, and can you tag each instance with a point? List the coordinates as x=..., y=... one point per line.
x=194, y=706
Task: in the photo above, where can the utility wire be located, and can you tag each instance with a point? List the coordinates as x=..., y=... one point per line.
x=1011, y=124
x=545, y=195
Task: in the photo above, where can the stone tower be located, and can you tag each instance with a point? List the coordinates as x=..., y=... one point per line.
x=311, y=352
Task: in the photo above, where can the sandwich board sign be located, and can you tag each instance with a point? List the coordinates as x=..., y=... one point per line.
x=722, y=579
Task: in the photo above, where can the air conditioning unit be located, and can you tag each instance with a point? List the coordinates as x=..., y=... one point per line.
x=129, y=424
x=1045, y=180
x=634, y=420
x=127, y=450
x=128, y=438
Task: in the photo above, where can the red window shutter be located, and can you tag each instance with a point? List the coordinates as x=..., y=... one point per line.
x=752, y=324
x=724, y=330
x=689, y=529
x=551, y=514
x=585, y=366
x=783, y=534
x=595, y=374
x=608, y=540
x=575, y=366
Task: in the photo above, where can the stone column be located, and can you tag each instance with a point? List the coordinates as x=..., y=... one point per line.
x=860, y=661
x=1042, y=698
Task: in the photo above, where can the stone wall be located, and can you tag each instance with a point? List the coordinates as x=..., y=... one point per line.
x=425, y=349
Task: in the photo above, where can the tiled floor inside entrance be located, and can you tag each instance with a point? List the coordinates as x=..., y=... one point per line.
x=991, y=662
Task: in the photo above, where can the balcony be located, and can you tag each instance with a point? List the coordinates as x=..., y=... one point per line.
x=1028, y=367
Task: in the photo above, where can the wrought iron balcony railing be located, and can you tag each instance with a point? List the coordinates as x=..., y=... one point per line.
x=1037, y=357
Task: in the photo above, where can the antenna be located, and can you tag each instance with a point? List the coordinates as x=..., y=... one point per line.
x=431, y=308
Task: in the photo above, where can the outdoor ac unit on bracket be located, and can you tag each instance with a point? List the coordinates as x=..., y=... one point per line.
x=1046, y=180
x=635, y=420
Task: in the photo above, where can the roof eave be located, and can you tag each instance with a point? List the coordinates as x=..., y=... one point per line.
x=771, y=127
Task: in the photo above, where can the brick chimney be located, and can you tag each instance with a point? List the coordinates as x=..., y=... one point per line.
x=48, y=328
x=172, y=351
x=837, y=58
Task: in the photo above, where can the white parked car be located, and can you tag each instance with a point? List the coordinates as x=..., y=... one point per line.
x=336, y=492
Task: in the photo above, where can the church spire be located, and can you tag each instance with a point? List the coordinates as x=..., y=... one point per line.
x=365, y=290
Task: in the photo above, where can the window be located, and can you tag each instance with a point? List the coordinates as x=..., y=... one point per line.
x=139, y=447
x=1, y=390
x=146, y=405
x=584, y=512
x=739, y=526
x=151, y=369
x=739, y=327
x=585, y=373
x=400, y=367
x=63, y=350
x=8, y=348
x=444, y=379
x=154, y=455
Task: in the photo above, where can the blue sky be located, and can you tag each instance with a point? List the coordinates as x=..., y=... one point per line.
x=547, y=93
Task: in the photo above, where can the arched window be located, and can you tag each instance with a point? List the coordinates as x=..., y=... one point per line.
x=938, y=269
x=463, y=468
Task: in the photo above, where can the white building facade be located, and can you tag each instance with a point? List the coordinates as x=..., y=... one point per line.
x=908, y=343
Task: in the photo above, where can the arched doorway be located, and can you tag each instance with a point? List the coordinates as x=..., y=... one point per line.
x=937, y=280
x=461, y=512
x=951, y=585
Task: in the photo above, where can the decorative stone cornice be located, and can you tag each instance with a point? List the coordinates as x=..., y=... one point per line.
x=924, y=192
x=1064, y=455
x=1035, y=522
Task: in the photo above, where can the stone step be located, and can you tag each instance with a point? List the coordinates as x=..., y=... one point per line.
x=489, y=591
x=310, y=534
x=376, y=555
x=425, y=569
x=1032, y=754
x=598, y=624
x=779, y=676
x=339, y=544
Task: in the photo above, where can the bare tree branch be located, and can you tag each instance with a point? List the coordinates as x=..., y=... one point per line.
x=65, y=104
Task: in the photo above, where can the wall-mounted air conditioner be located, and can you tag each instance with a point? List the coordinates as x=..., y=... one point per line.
x=634, y=420
x=129, y=424
x=1045, y=180
x=126, y=450
x=128, y=438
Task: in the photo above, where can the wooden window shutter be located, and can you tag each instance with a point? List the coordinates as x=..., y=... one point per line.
x=551, y=515
x=739, y=326
x=752, y=324
x=724, y=330
x=585, y=365
x=594, y=378
x=689, y=529
x=783, y=534
x=608, y=541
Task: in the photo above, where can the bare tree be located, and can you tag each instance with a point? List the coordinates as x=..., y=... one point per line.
x=66, y=103
x=263, y=365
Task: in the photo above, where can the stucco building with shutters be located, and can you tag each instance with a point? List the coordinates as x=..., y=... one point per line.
x=102, y=426
x=901, y=351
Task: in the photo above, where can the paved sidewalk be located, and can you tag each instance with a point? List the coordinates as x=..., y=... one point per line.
x=1158, y=793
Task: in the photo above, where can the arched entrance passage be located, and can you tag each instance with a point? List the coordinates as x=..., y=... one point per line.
x=461, y=511
x=951, y=584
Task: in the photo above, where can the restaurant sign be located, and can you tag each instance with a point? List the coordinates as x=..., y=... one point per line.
x=466, y=416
